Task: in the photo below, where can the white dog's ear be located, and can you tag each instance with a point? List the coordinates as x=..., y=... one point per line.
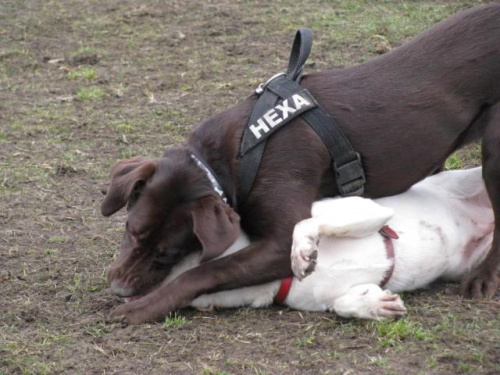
x=350, y=217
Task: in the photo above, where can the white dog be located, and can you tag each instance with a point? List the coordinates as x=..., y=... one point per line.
x=445, y=227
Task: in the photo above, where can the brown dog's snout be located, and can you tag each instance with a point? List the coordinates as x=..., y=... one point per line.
x=112, y=272
x=121, y=289
x=121, y=285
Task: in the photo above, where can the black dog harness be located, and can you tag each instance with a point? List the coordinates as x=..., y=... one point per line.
x=281, y=99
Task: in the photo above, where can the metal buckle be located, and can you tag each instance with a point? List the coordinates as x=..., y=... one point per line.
x=350, y=177
x=260, y=89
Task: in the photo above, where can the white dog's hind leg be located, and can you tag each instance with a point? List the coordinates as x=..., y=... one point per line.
x=350, y=217
x=369, y=301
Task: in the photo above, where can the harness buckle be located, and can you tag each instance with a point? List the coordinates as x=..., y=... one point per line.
x=260, y=89
x=350, y=176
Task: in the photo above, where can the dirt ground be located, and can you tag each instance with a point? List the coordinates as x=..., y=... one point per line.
x=85, y=83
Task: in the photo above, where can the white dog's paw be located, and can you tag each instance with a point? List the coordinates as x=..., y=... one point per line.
x=369, y=301
x=388, y=306
x=304, y=257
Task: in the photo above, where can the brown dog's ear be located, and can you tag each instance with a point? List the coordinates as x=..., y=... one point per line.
x=216, y=225
x=125, y=175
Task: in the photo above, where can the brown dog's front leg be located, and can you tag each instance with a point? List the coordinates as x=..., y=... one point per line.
x=483, y=281
x=258, y=263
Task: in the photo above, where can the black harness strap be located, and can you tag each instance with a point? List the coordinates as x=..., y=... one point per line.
x=283, y=93
x=301, y=49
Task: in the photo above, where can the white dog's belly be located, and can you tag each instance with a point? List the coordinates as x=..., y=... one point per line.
x=441, y=236
x=422, y=253
x=342, y=263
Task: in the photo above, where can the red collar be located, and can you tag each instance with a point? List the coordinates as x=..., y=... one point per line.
x=285, y=286
x=388, y=233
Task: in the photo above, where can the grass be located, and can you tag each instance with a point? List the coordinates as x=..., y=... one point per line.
x=453, y=162
x=84, y=50
x=174, y=321
x=98, y=330
x=359, y=26
x=51, y=252
x=308, y=339
x=393, y=333
x=210, y=371
x=378, y=361
x=15, y=61
x=125, y=127
x=90, y=93
x=431, y=362
x=466, y=367
x=83, y=73
x=59, y=240
x=18, y=179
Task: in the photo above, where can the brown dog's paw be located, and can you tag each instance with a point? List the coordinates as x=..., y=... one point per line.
x=480, y=283
x=136, y=312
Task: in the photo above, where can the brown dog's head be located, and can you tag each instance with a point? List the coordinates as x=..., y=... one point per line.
x=172, y=210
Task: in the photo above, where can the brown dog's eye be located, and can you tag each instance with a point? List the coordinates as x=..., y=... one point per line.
x=143, y=236
x=138, y=235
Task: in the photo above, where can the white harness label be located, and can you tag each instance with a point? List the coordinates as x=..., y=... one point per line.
x=281, y=113
x=275, y=118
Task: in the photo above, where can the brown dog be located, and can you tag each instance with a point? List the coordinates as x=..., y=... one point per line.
x=405, y=112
